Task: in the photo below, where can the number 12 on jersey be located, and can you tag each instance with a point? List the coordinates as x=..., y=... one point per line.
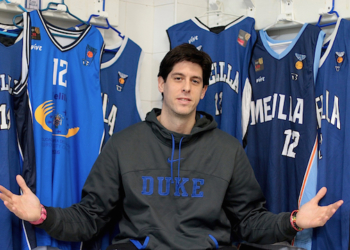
x=63, y=64
x=290, y=143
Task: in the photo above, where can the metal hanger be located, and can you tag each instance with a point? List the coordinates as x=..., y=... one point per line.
x=331, y=12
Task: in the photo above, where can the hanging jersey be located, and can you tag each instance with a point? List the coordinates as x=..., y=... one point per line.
x=120, y=87
x=10, y=72
x=282, y=133
x=332, y=105
x=230, y=49
x=120, y=72
x=62, y=76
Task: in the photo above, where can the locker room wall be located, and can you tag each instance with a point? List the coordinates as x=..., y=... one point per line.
x=146, y=21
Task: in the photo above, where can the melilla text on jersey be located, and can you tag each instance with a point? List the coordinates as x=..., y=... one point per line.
x=221, y=73
x=5, y=83
x=268, y=108
x=323, y=111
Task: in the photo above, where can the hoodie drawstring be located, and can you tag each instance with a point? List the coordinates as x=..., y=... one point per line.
x=172, y=160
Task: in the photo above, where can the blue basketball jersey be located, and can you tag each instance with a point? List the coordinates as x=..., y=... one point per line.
x=120, y=87
x=10, y=73
x=282, y=133
x=62, y=77
x=230, y=49
x=120, y=72
x=332, y=105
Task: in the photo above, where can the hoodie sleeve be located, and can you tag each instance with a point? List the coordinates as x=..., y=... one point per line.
x=100, y=196
x=244, y=206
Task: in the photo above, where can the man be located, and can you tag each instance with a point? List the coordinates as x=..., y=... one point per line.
x=183, y=183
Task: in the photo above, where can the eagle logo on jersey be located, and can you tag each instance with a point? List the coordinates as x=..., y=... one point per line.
x=299, y=63
x=89, y=55
x=121, y=81
x=339, y=56
x=46, y=108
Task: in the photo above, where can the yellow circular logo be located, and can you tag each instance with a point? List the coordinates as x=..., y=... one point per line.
x=261, y=61
x=299, y=65
x=340, y=60
x=121, y=80
x=247, y=36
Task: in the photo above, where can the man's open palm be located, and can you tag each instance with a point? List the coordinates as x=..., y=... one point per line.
x=25, y=206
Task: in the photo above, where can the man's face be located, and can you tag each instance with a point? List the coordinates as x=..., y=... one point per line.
x=183, y=89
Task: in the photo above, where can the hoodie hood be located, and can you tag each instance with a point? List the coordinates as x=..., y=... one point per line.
x=204, y=122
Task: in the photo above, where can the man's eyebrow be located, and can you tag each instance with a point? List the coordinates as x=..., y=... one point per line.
x=177, y=73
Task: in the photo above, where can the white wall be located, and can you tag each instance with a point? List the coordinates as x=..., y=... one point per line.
x=146, y=21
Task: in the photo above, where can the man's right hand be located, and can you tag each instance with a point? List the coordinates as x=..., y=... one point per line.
x=26, y=206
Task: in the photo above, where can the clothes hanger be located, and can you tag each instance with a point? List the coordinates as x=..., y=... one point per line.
x=14, y=21
x=284, y=16
x=62, y=7
x=4, y=32
x=57, y=6
x=18, y=5
x=105, y=16
x=331, y=12
x=219, y=11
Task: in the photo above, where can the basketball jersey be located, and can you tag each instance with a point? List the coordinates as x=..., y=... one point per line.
x=120, y=72
x=282, y=133
x=120, y=87
x=230, y=49
x=62, y=77
x=10, y=72
x=332, y=105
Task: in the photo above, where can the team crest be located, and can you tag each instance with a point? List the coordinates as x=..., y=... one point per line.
x=46, y=121
x=339, y=57
x=57, y=120
x=90, y=53
x=259, y=64
x=299, y=63
x=121, y=81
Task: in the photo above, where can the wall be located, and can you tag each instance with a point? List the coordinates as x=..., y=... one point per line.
x=146, y=21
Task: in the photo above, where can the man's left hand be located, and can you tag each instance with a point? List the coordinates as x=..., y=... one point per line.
x=312, y=215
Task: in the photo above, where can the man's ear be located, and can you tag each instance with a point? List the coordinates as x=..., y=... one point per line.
x=161, y=84
x=204, y=89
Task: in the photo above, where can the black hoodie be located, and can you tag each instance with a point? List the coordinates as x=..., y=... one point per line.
x=177, y=191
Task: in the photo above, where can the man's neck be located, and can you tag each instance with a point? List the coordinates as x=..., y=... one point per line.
x=181, y=125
